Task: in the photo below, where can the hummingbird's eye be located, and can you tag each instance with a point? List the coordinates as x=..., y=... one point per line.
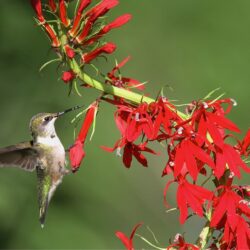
x=47, y=118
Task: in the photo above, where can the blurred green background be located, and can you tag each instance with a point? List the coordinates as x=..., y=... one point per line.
x=194, y=46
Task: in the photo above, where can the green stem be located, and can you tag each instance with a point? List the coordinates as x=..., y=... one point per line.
x=112, y=90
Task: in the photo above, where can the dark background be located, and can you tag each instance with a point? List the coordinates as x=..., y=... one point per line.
x=193, y=46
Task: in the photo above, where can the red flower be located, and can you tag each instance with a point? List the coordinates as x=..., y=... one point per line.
x=37, y=6
x=243, y=146
x=214, y=123
x=52, y=5
x=181, y=244
x=76, y=155
x=228, y=157
x=186, y=155
x=83, y=4
x=190, y=195
x=76, y=151
x=239, y=238
x=115, y=24
x=131, y=149
x=127, y=242
x=52, y=35
x=122, y=82
x=227, y=206
x=134, y=122
x=69, y=51
x=63, y=13
x=108, y=48
x=68, y=76
x=93, y=14
x=101, y=9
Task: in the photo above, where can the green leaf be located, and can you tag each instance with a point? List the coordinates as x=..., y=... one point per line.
x=49, y=62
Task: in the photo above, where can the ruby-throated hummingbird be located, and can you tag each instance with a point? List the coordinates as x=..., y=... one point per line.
x=44, y=153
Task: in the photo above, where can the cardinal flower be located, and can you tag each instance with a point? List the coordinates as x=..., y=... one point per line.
x=63, y=13
x=120, y=81
x=228, y=157
x=83, y=4
x=190, y=195
x=127, y=242
x=52, y=5
x=76, y=152
x=93, y=14
x=243, y=146
x=37, y=6
x=108, y=48
x=118, y=22
x=186, y=155
x=227, y=206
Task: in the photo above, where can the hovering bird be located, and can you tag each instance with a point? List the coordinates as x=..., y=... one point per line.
x=44, y=153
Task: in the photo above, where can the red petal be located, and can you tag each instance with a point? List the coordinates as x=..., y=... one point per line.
x=124, y=239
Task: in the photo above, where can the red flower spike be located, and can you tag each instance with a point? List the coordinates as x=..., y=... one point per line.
x=63, y=13
x=76, y=151
x=68, y=76
x=52, y=5
x=115, y=24
x=76, y=155
x=108, y=48
x=69, y=51
x=37, y=6
x=128, y=242
x=83, y=4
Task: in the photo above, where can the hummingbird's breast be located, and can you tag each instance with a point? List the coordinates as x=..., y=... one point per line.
x=52, y=155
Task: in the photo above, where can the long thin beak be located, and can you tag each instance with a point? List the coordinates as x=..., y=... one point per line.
x=67, y=110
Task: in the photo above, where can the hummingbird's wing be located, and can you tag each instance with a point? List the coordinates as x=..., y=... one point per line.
x=21, y=155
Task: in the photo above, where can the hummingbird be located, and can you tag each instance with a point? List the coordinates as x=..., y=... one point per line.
x=44, y=154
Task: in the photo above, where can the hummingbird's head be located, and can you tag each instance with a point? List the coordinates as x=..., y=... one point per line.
x=42, y=124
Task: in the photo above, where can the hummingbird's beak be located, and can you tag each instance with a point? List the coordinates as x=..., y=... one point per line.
x=67, y=110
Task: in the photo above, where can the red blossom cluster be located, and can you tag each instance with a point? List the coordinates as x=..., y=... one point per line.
x=83, y=32
x=195, y=145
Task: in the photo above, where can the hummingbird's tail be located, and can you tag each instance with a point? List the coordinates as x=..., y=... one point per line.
x=43, y=212
x=46, y=188
x=44, y=184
